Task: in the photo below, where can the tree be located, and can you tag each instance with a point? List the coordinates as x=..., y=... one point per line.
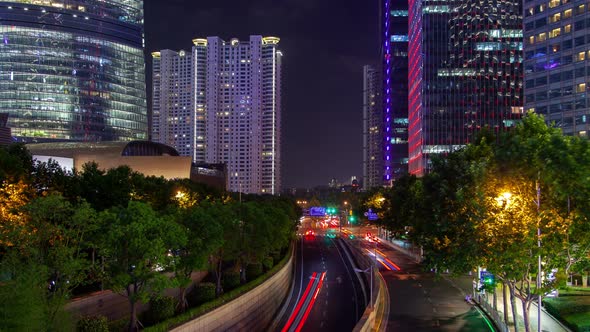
x=136, y=244
x=50, y=243
x=227, y=218
x=204, y=238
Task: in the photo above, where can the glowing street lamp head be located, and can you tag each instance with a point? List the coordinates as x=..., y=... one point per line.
x=504, y=199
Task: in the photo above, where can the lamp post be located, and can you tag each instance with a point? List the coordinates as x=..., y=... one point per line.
x=540, y=299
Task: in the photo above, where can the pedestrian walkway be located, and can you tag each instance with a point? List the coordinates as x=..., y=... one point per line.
x=466, y=284
x=112, y=305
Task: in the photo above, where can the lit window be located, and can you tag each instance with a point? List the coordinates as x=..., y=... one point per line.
x=581, y=56
x=555, y=17
x=531, y=11
x=581, y=87
x=555, y=32
x=553, y=3
x=542, y=37
x=531, y=39
x=567, y=28
x=397, y=13
x=541, y=8
x=567, y=13
x=581, y=9
x=555, y=48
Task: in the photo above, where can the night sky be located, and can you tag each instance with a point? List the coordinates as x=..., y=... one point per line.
x=325, y=44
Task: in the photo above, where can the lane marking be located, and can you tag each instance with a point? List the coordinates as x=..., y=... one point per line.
x=310, y=306
x=299, y=303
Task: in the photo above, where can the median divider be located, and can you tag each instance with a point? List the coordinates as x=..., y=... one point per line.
x=374, y=318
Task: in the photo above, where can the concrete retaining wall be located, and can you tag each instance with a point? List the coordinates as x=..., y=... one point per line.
x=253, y=311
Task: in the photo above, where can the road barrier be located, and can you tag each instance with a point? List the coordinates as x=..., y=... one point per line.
x=373, y=318
x=253, y=311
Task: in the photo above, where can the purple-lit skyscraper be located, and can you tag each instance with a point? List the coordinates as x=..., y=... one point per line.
x=395, y=89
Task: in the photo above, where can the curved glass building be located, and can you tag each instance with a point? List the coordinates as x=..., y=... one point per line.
x=73, y=70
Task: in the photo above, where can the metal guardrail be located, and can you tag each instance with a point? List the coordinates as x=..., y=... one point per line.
x=493, y=314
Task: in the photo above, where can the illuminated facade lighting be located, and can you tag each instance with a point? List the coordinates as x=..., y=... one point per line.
x=221, y=103
x=465, y=74
x=73, y=70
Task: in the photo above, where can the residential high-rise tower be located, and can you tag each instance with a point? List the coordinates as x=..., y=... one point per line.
x=372, y=129
x=221, y=103
x=73, y=70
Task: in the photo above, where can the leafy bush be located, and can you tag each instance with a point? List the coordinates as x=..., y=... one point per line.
x=201, y=293
x=119, y=325
x=268, y=263
x=253, y=270
x=231, y=280
x=93, y=324
x=161, y=308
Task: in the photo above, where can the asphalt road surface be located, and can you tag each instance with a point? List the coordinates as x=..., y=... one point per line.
x=325, y=291
x=418, y=300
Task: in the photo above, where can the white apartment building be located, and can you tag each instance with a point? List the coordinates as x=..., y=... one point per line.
x=221, y=103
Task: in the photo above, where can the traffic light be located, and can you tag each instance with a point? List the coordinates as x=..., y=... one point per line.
x=352, y=219
x=489, y=280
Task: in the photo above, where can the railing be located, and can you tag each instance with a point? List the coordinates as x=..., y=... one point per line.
x=493, y=314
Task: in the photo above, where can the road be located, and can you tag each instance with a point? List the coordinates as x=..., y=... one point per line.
x=325, y=291
x=418, y=300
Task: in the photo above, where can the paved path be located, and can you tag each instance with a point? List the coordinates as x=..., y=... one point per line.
x=113, y=305
x=465, y=283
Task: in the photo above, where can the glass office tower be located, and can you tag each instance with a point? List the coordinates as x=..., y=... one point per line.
x=556, y=65
x=73, y=70
x=465, y=73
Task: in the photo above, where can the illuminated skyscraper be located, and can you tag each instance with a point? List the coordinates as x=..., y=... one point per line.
x=73, y=70
x=372, y=129
x=395, y=90
x=557, y=74
x=222, y=104
x=465, y=73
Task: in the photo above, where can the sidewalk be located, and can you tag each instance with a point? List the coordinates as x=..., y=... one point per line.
x=465, y=283
x=114, y=306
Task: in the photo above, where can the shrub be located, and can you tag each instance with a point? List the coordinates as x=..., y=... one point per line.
x=268, y=263
x=201, y=293
x=276, y=257
x=93, y=324
x=161, y=308
x=253, y=270
x=231, y=280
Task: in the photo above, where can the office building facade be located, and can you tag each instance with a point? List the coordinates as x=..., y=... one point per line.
x=465, y=73
x=557, y=74
x=221, y=103
x=395, y=90
x=372, y=128
x=73, y=70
